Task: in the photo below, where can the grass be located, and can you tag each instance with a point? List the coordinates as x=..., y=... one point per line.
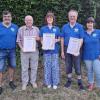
x=42, y=93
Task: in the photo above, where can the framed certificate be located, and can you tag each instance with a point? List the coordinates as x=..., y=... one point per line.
x=74, y=46
x=29, y=44
x=48, y=41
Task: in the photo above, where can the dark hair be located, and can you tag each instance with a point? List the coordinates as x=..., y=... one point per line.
x=50, y=14
x=6, y=12
x=90, y=19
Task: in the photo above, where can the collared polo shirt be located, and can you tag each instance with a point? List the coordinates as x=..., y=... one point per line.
x=25, y=31
x=91, y=45
x=8, y=36
x=67, y=31
x=54, y=30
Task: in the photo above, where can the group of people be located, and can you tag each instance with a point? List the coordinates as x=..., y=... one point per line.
x=89, y=52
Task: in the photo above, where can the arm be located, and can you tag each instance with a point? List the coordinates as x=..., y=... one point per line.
x=81, y=43
x=41, y=39
x=62, y=48
x=20, y=46
x=41, y=35
x=57, y=40
x=62, y=43
x=37, y=37
x=58, y=35
x=99, y=44
x=82, y=35
x=19, y=39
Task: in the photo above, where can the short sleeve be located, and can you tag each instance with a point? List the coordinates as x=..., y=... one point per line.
x=41, y=32
x=19, y=37
x=62, y=32
x=81, y=32
x=58, y=32
x=38, y=31
x=99, y=33
x=17, y=29
x=99, y=42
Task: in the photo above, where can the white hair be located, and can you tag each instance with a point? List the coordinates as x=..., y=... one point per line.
x=29, y=17
x=73, y=11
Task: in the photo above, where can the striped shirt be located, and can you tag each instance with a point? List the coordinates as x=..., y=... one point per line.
x=25, y=31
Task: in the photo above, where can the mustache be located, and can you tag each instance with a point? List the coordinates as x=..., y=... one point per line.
x=7, y=19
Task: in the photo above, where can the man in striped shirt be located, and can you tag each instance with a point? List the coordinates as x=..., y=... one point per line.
x=28, y=59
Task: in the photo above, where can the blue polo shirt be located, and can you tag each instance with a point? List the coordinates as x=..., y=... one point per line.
x=54, y=30
x=77, y=32
x=91, y=45
x=8, y=36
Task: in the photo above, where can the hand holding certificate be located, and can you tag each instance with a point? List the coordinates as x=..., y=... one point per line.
x=29, y=44
x=48, y=41
x=74, y=46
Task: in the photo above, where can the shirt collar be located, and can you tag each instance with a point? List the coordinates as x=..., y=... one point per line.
x=72, y=26
x=51, y=27
x=28, y=28
x=7, y=26
x=93, y=31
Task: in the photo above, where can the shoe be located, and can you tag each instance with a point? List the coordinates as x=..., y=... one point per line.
x=12, y=85
x=34, y=85
x=55, y=87
x=68, y=84
x=1, y=90
x=49, y=86
x=90, y=87
x=81, y=87
x=24, y=87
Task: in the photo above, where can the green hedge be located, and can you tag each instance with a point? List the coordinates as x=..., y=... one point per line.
x=38, y=9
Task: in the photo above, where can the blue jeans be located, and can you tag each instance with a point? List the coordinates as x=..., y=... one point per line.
x=10, y=56
x=51, y=69
x=93, y=67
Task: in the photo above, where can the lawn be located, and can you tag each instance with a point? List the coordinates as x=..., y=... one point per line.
x=42, y=93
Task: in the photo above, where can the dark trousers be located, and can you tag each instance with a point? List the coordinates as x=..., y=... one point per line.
x=72, y=61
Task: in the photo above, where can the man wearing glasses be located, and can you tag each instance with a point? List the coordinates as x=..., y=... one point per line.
x=8, y=32
x=72, y=30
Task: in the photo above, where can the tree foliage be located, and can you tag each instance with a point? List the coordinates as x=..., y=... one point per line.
x=38, y=9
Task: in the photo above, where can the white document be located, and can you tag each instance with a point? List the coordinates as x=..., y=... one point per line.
x=74, y=46
x=48, y=41
x=29, y=44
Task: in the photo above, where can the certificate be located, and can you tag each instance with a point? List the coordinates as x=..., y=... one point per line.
x=48, y=41
x=74, y=46
x=29, y=44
